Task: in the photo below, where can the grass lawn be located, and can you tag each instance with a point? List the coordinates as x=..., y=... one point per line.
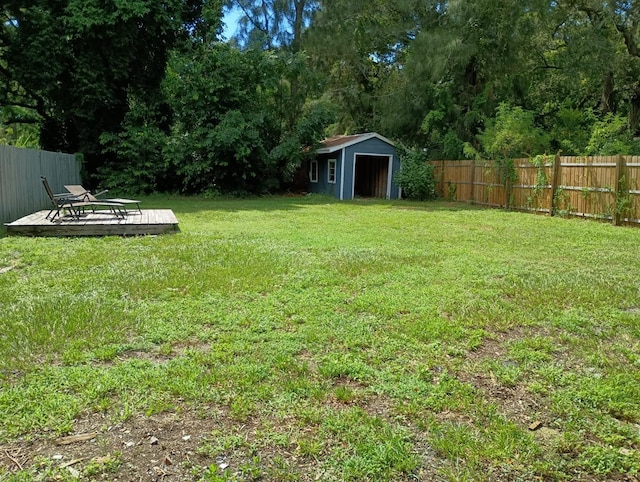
x=309, y=339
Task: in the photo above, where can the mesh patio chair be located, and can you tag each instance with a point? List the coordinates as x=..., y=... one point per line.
x=85, y=195
x=74, y=205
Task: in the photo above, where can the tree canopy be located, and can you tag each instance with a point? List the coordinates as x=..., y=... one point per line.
x=153, y=98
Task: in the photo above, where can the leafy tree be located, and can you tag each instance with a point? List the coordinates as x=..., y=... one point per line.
x=570, y=130
x=610, y=136
x=14, y=132
x=73, y=63
x=513, y=134
x=138, y=164
x=229, y=131
x=358, y=45
x=269, y=24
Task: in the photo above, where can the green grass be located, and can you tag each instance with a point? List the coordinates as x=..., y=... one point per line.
x=361, y=340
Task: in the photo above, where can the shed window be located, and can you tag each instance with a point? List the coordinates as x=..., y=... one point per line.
x=313, y=171
x=331, y=179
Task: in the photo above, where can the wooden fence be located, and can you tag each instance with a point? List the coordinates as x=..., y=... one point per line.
x=605, y=187
x=21, y=190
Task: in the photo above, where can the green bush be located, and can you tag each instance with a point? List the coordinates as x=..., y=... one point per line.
x=610, y=136
x=416, y=176
x=513, y=133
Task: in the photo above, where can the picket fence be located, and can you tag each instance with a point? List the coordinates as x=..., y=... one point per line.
x=21, y=190
x=602, y=187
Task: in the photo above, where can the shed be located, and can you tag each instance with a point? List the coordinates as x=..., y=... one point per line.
x=361, y=165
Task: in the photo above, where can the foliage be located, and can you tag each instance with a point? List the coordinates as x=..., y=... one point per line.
x=512, y=134
x=139, y=164
x=610, y=136
x=489, y=78
x=570, y=130
x=232, y=130
x=542, y=182
x=416, y=177
x=267, y=24
x=17, y=128
x=299, y=145
x=75, y=63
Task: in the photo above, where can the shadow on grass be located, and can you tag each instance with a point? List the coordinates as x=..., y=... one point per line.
x=193, y=204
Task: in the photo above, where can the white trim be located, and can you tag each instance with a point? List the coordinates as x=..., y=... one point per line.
x=335, y=171
x=353, y=177
x=344, y=153
x=389, y=176
x=312, y=171
x=355, y=140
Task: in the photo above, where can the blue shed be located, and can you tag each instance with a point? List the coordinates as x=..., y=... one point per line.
x=361, y=165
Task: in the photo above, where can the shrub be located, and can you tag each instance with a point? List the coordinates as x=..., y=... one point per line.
x=416, y=176
x=610, y=136
x=513, y=133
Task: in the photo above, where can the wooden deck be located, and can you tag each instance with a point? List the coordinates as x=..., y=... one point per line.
x=99, y=223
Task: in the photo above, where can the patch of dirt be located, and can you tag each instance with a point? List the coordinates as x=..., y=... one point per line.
x=173, y=447
x=160, y=447
x=156, y=355
x=516, y=403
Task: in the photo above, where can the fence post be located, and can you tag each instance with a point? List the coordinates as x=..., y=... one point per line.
x=620, y=188
x=507, y=192
x=472, y=197
x=555, y=176
x=442, y=178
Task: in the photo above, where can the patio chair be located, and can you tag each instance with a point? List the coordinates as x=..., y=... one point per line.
x=75, y=205
x=81, y=193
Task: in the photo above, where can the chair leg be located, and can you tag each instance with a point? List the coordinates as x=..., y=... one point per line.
x=57, y=213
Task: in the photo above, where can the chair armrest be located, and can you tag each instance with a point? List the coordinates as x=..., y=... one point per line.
x=101, y=193
x=66, y=195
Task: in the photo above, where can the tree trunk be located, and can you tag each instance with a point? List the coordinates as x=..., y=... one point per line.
x=634, y=112
x=297, y=25
x=608, y=90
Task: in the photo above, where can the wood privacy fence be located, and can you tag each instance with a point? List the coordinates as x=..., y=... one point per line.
x=21, y=190
x=605, y=187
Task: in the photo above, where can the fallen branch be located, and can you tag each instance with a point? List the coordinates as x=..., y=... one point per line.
x=76, y=438
x=13, y=460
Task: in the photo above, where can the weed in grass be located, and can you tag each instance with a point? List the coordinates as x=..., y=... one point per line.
x=344, y=394
x=532, y=351
x=214, y=474
x=103, y=465
x=42, y=469
x=252, y=470
x=605, y=460
x=310, y=447
x=376, y=450
x=241, y=408
x=458, y=471
x=108, y=352
x=506, y=372
x=280, y=469
x=338, y=365
x=456, y=441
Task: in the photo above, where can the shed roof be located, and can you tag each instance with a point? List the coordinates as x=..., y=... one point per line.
x=333, y=144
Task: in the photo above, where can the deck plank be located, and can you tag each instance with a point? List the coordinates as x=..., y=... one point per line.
x=99, y=223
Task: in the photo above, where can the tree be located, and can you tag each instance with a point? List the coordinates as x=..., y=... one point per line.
x=357, y=45
x=269, y=24
x=228, y=133
x=513, y=134
x=74, y=63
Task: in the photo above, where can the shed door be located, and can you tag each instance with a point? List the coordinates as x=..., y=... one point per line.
x=371, y=176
